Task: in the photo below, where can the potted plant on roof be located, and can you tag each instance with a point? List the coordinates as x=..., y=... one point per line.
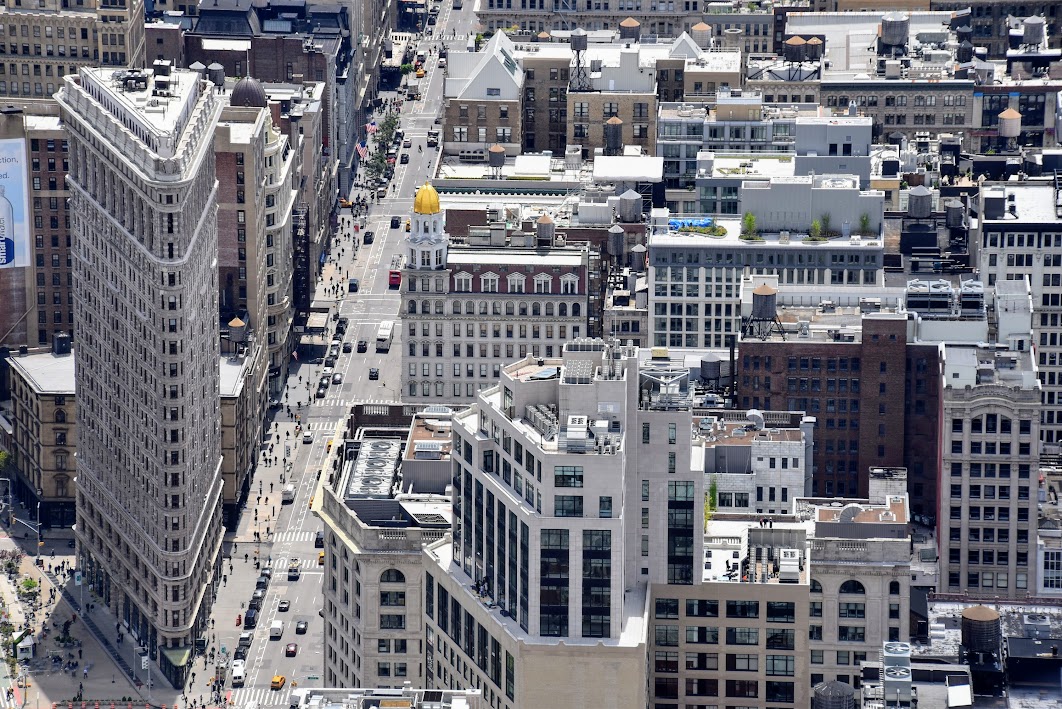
x=748, y=228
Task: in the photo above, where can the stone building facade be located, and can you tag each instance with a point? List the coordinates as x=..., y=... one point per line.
x=144, y=222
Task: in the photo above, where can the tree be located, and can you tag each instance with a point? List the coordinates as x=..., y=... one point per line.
x=864, y=224
x=825, y=219
x=748, y=225
x=405, y=69
x=816, y=230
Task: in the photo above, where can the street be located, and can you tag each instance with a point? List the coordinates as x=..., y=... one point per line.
x=287, y=532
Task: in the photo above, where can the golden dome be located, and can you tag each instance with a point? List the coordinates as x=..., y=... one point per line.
x=427, y=200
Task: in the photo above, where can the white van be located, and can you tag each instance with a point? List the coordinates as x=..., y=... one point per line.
x=287, y=494
x=276, y=630
x=238, y=673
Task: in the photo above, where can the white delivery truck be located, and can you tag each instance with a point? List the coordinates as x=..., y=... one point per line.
x=288, y=494
x=276, y=630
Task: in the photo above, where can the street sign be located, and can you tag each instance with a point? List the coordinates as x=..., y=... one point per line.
x=143, y=662
x=77, y=578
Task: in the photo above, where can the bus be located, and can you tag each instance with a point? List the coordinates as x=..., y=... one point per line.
x=394, y=274
x=384, y=335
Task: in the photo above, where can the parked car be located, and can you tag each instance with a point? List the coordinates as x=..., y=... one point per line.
x=348, y=347
x=337, y=378
x=407, y=143
x=368, y=237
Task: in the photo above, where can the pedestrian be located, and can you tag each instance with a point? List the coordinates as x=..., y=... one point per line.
x=79, y=653
x=85, y=672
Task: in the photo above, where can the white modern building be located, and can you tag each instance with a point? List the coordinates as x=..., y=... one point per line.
x=469, y=309
x=573, y=489
x=149, y=452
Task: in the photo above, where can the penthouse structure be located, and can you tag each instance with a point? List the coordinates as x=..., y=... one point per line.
x=149, y=516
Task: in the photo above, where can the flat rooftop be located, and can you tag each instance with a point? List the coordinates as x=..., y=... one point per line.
x=429, y=438
x=894, y=511
x=728, y=545
x=1033, y=203
x=945, y=624
x=512, y=256
x=231, y=370
x=736, y=433
x=155, y=108
x=48, y=373
x=403, y=698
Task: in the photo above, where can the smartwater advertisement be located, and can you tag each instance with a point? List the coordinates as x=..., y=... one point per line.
x=14, y=205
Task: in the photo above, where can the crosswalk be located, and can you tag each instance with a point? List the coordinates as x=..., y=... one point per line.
x=336, y=401
x=250, y=696
x=322, y=425
x=305, y=564
x=293, y=536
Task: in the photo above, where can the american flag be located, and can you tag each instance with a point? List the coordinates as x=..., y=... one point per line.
x=362, y=150
x=371, y=127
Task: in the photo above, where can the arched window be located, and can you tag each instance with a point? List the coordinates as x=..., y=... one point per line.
x=853, y=586
x=495, y=308
x=894, y=588
x=576, y=309
x=412, y=306
x=549, y=309
x=523, y=308
x=562, y=310
x=392, y=576
x=536, y=309
x=510, y=308
x=470, y=308
x=816, y=587
x=60, y=417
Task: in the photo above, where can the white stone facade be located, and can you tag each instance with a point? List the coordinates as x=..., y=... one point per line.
x=144, y=223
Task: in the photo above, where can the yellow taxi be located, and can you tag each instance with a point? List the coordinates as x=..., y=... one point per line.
x=278, y=682
x=320, y=558
x=420, y=73
x=343, y=202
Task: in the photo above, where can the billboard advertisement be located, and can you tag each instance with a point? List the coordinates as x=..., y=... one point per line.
x=14, y=204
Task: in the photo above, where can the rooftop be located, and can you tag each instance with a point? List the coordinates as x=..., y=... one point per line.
x=231, y=370
x=894, y=510
x=745, y=549
x=47, y=373
x=512, y=256
x=945, y=624
x=1030, y=203
x=737, y=433
x=155, y=106
x=429, y=437
x=403, y=698
x=969, y=365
